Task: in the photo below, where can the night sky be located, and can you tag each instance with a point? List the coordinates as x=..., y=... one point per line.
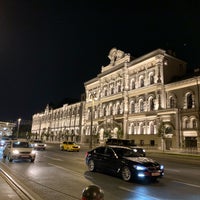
x=48, y=49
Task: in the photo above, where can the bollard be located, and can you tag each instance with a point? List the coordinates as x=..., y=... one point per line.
x=92, y=192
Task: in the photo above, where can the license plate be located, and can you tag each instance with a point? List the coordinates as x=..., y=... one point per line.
x=155, y=174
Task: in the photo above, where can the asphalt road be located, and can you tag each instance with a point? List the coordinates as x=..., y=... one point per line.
x=63, y=175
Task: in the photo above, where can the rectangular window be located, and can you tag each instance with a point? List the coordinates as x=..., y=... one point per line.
x=152, y=143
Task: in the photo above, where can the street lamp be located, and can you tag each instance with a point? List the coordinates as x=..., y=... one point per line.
x=93, y=98
x=18, y=124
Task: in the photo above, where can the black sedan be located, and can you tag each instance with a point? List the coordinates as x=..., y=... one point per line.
x=123, y=161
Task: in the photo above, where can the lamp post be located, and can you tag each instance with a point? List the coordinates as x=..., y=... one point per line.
x=93, y=98
x=18, y=124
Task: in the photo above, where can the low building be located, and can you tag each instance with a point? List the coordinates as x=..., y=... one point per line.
x=6, y=129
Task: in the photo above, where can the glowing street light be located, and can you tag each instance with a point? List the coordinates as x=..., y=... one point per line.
x=18, y=124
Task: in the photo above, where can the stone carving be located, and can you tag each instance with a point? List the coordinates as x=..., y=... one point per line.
x=115, y=55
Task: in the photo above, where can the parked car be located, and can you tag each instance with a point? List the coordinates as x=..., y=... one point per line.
x=124, y=162
x=69, y=146
x=128, y=143
x=38, y=145
x=19, y=149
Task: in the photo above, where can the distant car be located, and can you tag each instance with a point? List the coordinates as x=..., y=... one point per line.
x=127, y=143
x=69, y=146
x=124, y=162
x=38, y=145
x=4, y=140
x=19, y=149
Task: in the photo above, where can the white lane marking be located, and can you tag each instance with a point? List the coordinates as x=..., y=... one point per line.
x=58, y=159
x=172, y=170
x=139, y=193
x=189, y=184
x=71, y=171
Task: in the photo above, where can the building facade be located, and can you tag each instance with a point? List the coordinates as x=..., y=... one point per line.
x=145, y=99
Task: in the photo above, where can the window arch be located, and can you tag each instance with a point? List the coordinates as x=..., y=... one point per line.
x=141, y=128
x=105, y=92
x=132, y=86
x=194, y=123
x=112, y=90
x=141, y=105
x=151, y=128
x=141, y=81
x=172, y=102
x=132, y=128
x=111, y=110
x=151, y=104
x=118, y=109
x=189, y=100
x=151, y=78
x=104, y=111
x=132, y=107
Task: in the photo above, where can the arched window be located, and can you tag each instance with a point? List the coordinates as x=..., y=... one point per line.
x=119, y=88
x=132, y=84
x=141, y=105
x=141, y=128
x=151, y=128
x=189, y=100
x=118, y=109
x=104, y=111
x=141, y=82
x=111, y=110
x=112, y=90
x=151, y=79
x=151, y=104
x=132, y=107
x=172, y=102
x=187, y=124
x=194, y=123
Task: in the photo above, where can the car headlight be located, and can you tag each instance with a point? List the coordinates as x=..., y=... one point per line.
x=135, y=150
x=35, y=145
x=15, y=151
x=45, y=145
x=33, y=152
x=140, y=167
x=161, y=167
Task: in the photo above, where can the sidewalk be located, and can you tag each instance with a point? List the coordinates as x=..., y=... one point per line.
x=7, y=192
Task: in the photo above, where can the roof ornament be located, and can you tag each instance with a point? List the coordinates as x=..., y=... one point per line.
x=115, y=55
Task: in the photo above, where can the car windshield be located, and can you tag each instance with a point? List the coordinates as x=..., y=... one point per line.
x=122, y=152
x=71, y=142
x=20, y=144
x=128, y=143
x=38, y=141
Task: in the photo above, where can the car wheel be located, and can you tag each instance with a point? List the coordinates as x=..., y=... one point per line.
x=91, y=165
x=9, y=158
x=126, y=174
x=32, y=160
x=61, y=148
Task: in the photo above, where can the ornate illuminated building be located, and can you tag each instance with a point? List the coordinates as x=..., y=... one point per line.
x=146, y=99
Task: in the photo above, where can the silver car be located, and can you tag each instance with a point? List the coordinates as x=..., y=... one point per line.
x=19, y=149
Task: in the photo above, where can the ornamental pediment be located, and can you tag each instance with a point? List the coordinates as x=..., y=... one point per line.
x=116, y=57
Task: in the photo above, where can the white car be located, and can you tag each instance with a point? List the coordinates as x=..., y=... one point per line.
x=19, y=149
x=38, y=145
